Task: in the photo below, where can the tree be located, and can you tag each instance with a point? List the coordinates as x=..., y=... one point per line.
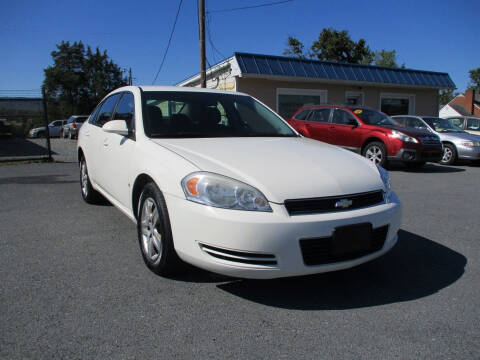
x=334, y=45
x=475, y=78
x=294, y=48
x=78, y=79
x=445, y=96
x=386, y=58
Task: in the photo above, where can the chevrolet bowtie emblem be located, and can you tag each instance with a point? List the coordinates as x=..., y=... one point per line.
x=343, y=204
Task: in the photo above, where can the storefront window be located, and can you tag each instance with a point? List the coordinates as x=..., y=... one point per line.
x=289, y=100
x=397, y=104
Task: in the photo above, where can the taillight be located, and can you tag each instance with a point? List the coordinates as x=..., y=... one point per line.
x=74, y=125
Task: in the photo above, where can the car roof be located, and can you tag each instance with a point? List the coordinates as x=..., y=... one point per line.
x=177, y=89
x=339, y=106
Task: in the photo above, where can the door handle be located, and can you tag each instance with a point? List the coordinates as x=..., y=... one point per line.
x=105, y=142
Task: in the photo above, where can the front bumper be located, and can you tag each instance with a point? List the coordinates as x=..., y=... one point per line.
x=197, y=229
x=468, y=153
x=418, y=155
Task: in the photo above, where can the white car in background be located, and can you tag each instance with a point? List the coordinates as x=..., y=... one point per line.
x=220, y=181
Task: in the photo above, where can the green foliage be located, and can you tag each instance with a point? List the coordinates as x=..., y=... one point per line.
x=79, y=79
x=445, y=96
x=294, y=48
x=386, y=58
x=475, y=78
x=335, y=45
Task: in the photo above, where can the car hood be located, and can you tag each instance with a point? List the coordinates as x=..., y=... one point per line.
x=281, y=168
x=458, y=136
x=38, y=128
x=409, y=131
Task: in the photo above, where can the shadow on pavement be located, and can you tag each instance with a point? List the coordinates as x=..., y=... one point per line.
x=39, y=179
x=21, y=147
x=416, y=267
x=427, y=168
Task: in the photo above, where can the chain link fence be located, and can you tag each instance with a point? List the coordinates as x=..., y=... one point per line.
x=24, y=129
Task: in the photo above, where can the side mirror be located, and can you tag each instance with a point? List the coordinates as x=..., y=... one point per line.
x=352, y=122
x=116, y=127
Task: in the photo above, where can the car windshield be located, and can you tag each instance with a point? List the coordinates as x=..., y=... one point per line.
x=373, y=117
x=186, y=114
x=442, y=125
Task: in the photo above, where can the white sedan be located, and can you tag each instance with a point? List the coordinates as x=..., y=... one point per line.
x=220, y=181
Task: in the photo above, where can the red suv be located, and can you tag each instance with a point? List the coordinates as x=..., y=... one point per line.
x=368, y=132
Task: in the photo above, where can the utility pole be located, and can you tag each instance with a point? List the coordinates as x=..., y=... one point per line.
x=201, y=9
x=130, y=79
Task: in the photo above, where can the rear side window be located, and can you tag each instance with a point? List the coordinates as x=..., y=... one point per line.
x=302, y=115
x=343, y=117
x=473, y=124
x=399, y=120
x=319, y=115
x=415, y=123
x=105, y=113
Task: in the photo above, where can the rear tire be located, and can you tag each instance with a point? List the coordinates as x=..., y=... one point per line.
x=89, y=194
x=155, y=233
x=376, y=153
x=449, y=154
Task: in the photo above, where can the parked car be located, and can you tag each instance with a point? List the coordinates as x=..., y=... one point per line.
x=470, y=124
x=457, y=144
x=220, y=181
x=70, y=129
x=55, y=129
x=368, y=132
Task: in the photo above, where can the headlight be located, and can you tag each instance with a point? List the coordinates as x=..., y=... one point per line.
x=385, y=176
x=403, y=137
x=471, y=143
x=223, y=192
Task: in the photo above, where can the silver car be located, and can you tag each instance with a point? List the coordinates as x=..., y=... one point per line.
x=470, y=124
x=457, y=144
x=54, y=128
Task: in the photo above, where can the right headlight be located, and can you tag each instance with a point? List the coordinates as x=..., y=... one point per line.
x=385, y=176
x=223, y=192
x=404, y=137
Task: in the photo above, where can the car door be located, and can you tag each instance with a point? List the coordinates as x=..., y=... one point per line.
x=116, y=151
x=317, y=125
x=345, y=130
x=96, y=137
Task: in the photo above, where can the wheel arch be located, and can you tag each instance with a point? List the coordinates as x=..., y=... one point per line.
x=80, y=154
x=139, y=183
x=372, y=139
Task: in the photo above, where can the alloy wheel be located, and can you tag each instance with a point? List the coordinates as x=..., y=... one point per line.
x=152, y=244
x=374, y=154
x=447, y=155
x=84, y=178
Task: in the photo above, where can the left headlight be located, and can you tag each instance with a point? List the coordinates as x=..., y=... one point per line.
x=385, y=176
x=223, y=192
x=404, y=137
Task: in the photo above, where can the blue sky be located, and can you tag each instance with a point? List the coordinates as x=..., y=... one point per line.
x=429, y=35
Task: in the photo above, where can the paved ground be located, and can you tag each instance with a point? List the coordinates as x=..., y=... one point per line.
x=73, y=284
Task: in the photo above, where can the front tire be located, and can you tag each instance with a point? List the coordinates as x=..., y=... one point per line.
x=449, y=155
x=155, y=233
x=89, y=194
x=376, y=153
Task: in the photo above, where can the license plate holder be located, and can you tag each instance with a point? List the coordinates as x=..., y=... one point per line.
x=352, y=238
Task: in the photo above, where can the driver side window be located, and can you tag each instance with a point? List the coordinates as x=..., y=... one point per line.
x=106, y=111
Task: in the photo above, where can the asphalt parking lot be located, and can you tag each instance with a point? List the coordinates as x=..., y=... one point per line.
x=74, y=284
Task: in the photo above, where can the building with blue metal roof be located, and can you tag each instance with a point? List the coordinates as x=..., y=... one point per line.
x=286, y=83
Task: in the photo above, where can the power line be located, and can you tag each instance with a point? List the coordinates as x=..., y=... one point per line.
x=209, y=22
x=249, y=7
x=169, y=41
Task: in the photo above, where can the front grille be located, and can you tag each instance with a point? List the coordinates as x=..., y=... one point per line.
x=319, y=251
x=430, y=140
x=239, y=256
x=328, y=204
